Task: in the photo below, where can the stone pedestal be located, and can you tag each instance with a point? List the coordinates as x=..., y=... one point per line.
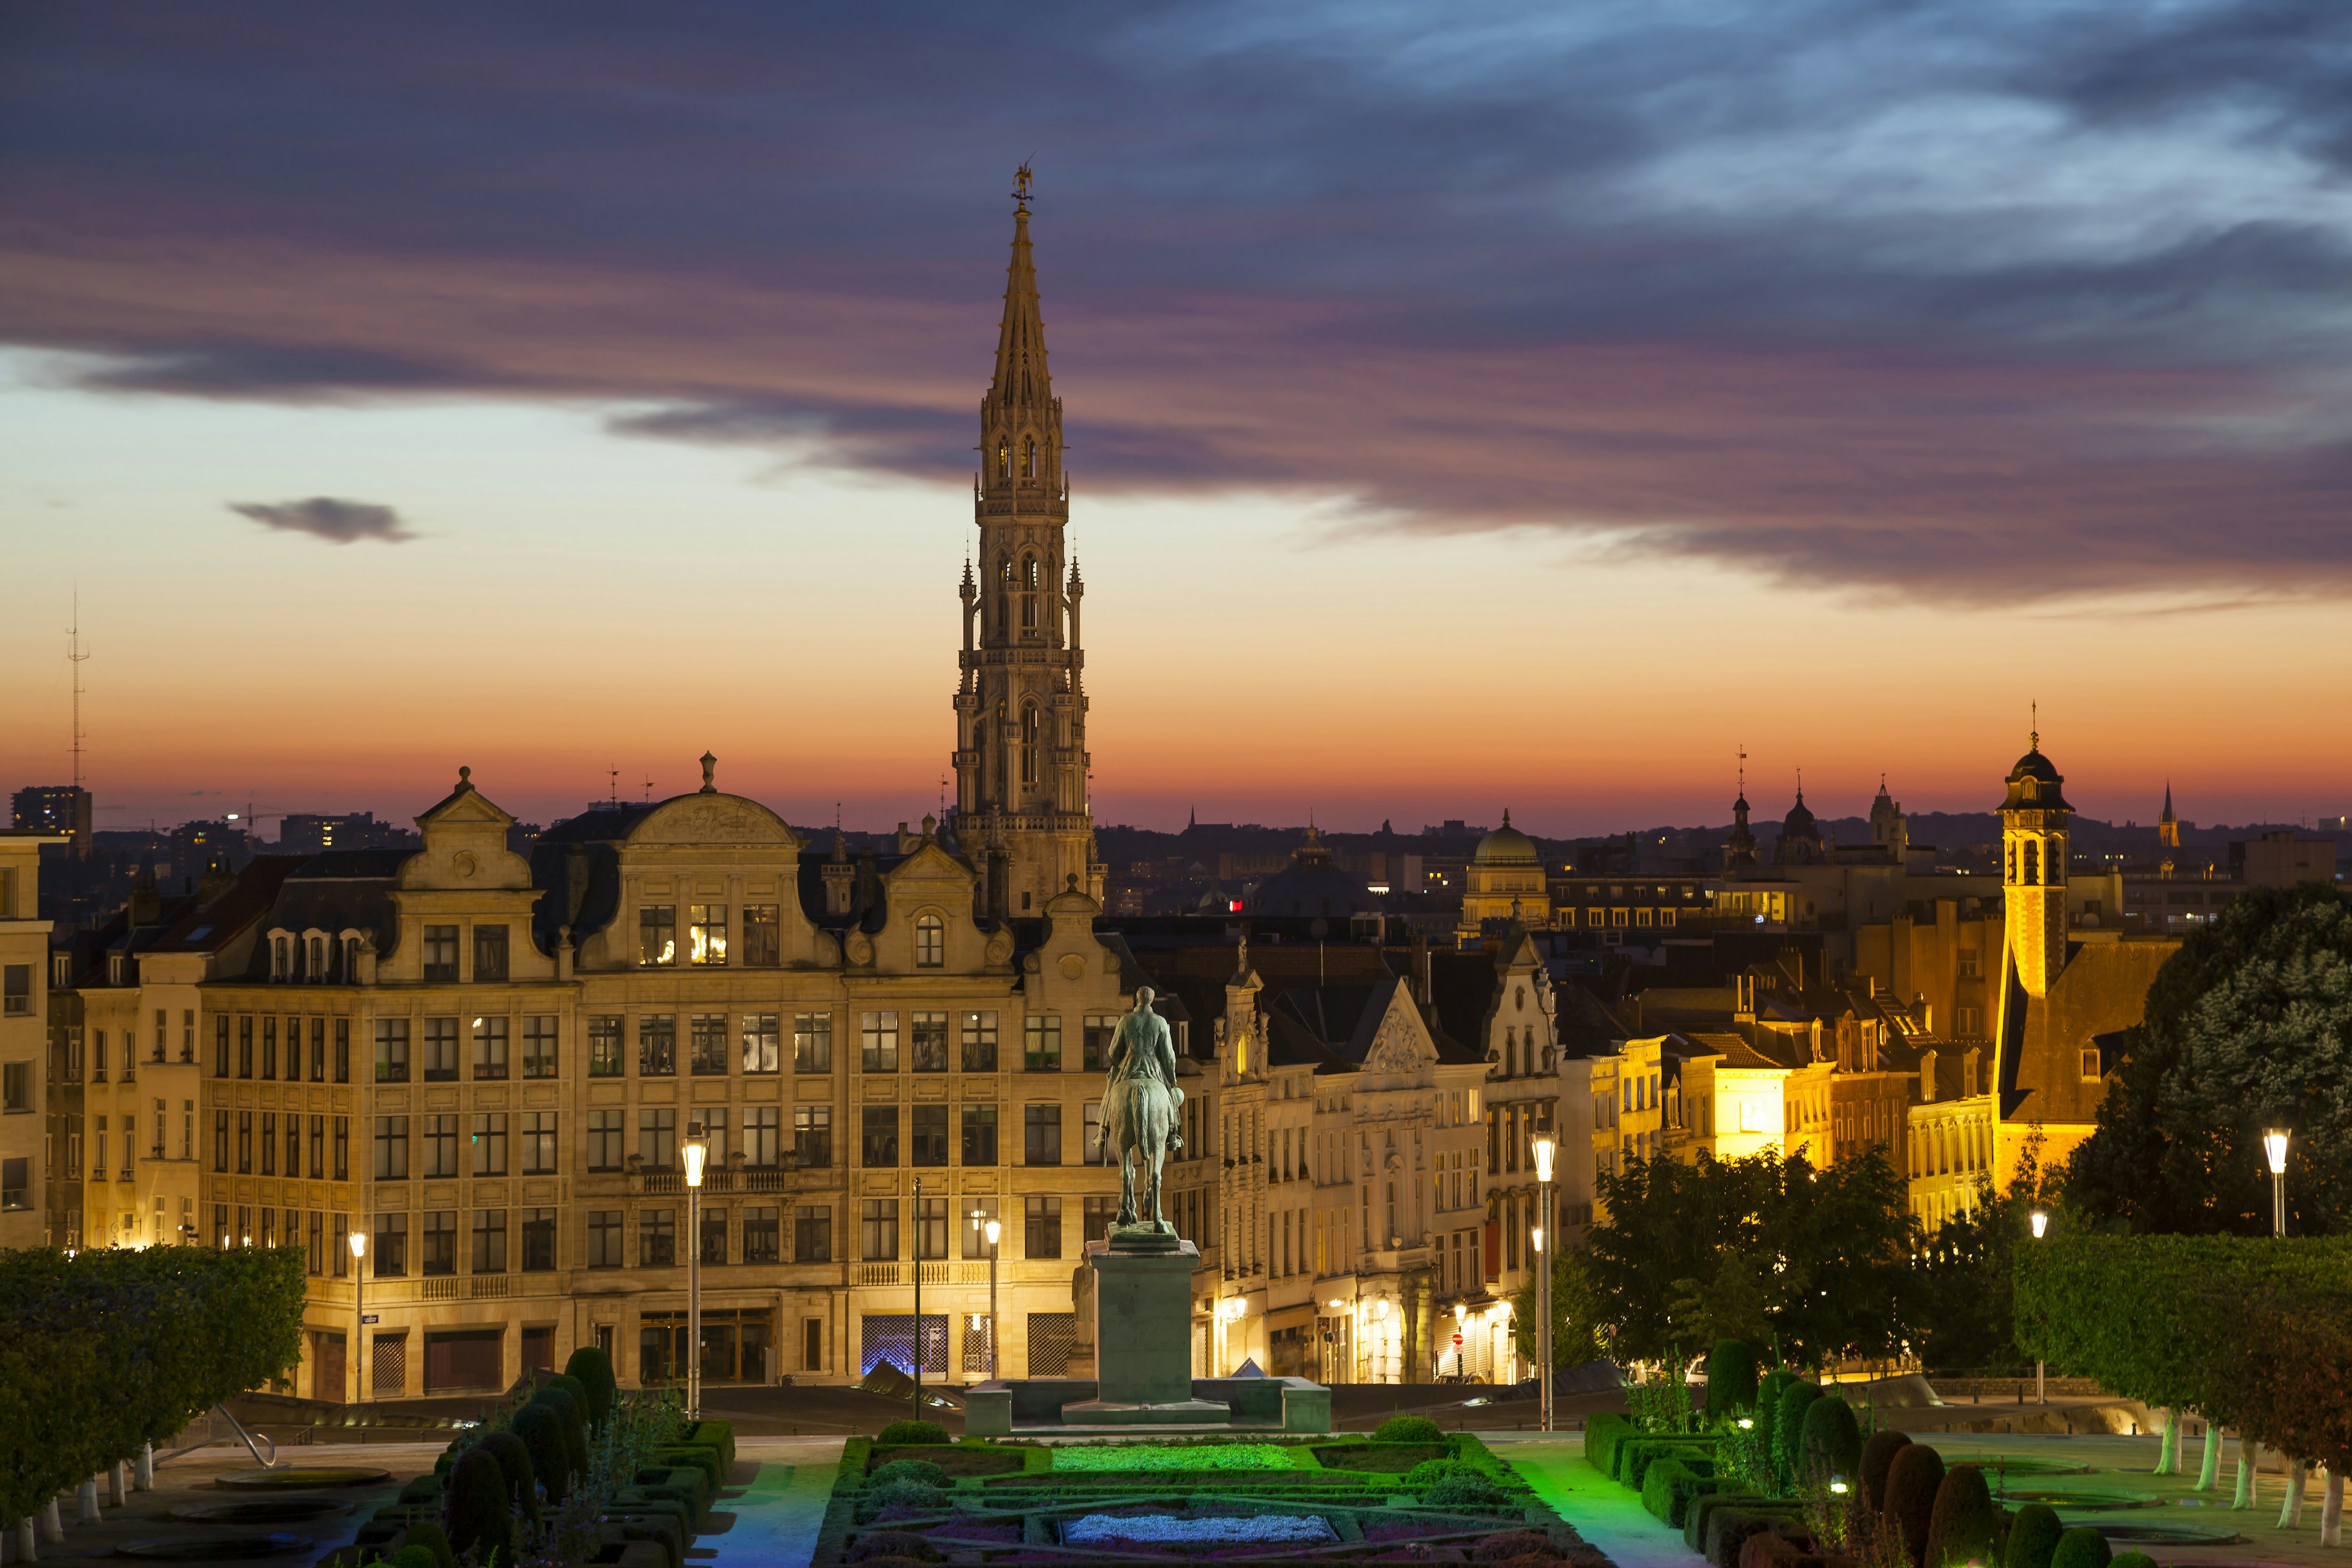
x=1143, y=1330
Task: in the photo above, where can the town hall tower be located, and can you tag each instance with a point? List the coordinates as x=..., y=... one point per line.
x=1021, y=810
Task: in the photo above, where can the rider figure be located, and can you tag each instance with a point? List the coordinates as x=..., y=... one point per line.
x=1144, y=1048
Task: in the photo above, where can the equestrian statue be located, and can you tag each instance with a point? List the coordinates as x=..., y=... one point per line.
x=1141, y=1101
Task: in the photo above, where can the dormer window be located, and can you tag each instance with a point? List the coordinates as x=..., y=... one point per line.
x=114, y=967
x=930, y=942
x=318, y=968
x=282, y=956
x=351, y=961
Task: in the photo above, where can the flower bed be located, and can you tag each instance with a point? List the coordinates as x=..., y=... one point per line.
x=1223, y=1529
x=1168, y=1456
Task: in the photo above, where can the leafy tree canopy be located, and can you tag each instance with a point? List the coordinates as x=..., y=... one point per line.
x=1761, y=1249
x=2248, y=1027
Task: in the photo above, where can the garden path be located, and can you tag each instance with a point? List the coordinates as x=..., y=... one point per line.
x=775, y=1516
x=1603, y=1512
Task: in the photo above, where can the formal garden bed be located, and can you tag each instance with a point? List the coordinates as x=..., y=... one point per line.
x=1779, y=1473
x=1408, y=1493
x=576, y=1472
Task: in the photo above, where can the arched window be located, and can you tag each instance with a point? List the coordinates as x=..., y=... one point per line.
x=1029, y=570
x=351, y=961
x=278, y=957
x=1028, y=612
x=1029, y=457
x=1003, y=458
x=930, y=942
x=2032, y=876
x=318, y=958
x=1004, y=570
x=1029, y=745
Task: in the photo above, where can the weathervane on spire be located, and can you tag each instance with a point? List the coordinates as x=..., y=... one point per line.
x=1743, y=767
x=1020, y=178
x=2034, y=735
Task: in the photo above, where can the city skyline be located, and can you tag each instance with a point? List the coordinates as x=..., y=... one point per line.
x=1408, y=485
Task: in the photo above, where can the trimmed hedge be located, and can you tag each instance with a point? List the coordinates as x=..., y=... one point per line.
x=111, y=1347
x=1877, y=1456
x=2033, y=1533
x=594, y=1368
x=1670, y=1487
x=1829, y=1441
x=1961, y=1530
x=1730, y=1379
x=1409, y=1429
x=1789, y=1425
x=1913, y=1481
x=1635, y=1455
x=1602, y=1434
x=2081, y=1547
x=514, y=1461
x=1727, y=1529
x=913, y=1432
x=1696, y=1516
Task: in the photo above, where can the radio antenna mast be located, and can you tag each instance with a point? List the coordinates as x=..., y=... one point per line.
x=75, y=659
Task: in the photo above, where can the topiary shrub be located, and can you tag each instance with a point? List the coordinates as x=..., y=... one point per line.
x=1877, y=1454
x=881, y=1543
x=1509, y=1545
x=477, y=1511
x=2032, y=1537
x=2081, y=1547
x=574, y=1413
x=1409, y=1429
x=1789, y=1423
x=913, y=1432
x=1912, y=1483
x=1703, y=1508
x=429, y=1537
x=921, y=1470
x=1960, y=1526
x=2131, y=1560
x=1829, y=1443
x=514, y=1461
x=1468, y=1491
x=542, y=1433
x=1658, y=1489
x=594, y=1368
x=1730, y=1379
x=414, y=1557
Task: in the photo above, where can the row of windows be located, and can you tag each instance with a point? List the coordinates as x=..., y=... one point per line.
x=159, y=1128
x=1643, y=916
x=437, y=1053
x=923, y=1041
x=429, y=1049
x=253, y=1140
x=99, y=1051
x=257, y=1048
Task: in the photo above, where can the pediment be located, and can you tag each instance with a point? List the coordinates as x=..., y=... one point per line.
x=713, y=819
x=930, y=863
x=1401, y=1045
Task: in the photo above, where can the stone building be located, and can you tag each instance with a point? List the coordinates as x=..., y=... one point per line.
x=1503, y=886
x=27, y=1093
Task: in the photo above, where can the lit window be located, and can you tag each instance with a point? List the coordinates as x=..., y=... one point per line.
x=707, y=934
x=930, y=942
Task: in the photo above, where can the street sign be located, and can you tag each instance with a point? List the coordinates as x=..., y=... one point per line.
x=1457, y=1339
x=370, y=1318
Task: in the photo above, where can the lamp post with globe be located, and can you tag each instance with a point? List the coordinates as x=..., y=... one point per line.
x=2274, y=1142
x=359, y=1310
x=1544, y=1148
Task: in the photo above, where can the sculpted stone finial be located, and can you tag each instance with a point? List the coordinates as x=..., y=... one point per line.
x=709, y=767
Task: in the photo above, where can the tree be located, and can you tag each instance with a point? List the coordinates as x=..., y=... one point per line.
x=1961, y=1310
x=2248, y=1027
x=1761, y=1249
x=1578, y=1333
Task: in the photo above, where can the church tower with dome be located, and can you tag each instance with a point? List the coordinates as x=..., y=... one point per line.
x=1020, y=809
x=2033, y=817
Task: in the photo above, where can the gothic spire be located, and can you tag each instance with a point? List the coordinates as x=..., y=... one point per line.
x=1021, y=378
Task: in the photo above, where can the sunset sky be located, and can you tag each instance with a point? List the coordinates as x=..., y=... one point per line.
x=1469, y=405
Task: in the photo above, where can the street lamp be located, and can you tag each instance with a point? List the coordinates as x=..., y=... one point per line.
x=1544, y=1150
x=2275, y=1145
x=359, y=1310
x=1461, y=1348
x=916, y=1355
x=995, y=1229
x=696, y=1150
x=2040, y=1223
